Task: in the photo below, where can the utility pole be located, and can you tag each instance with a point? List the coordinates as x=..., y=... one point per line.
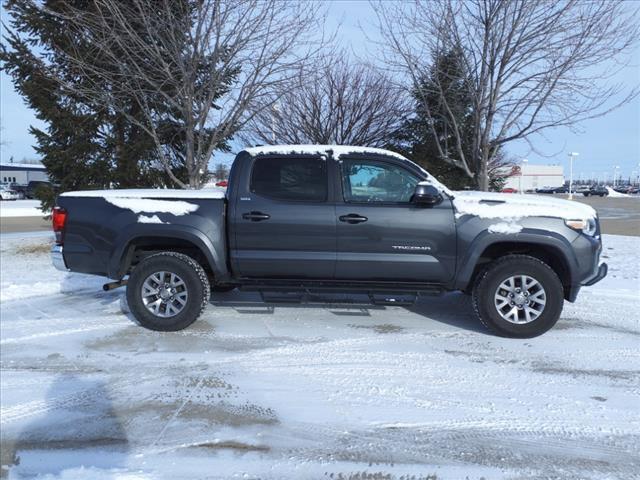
x=571, y=156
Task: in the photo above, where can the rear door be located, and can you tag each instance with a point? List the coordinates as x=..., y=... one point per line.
x=283, y=224
x=382, y=235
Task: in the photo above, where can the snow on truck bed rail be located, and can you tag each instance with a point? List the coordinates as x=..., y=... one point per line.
x=149, y=193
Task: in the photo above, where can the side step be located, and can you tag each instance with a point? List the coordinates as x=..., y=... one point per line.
x=404, y=299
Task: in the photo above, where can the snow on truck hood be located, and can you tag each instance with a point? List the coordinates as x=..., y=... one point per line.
x=510, y=207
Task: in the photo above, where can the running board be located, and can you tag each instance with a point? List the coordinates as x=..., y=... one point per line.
x=320, y=286
x=400, y=300
x=295, y=291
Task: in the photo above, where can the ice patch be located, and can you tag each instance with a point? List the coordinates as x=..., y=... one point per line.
x=506, y=228
x=146, y=219
x=138, y=205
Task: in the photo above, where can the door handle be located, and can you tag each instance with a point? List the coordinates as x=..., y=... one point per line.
x=256, y=216
x=353, y=218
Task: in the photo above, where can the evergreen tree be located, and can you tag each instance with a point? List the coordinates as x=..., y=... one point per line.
x=85, y=145
x=417, y=138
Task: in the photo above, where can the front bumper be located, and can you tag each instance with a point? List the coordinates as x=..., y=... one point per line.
x=600, y=274
x=57, y=258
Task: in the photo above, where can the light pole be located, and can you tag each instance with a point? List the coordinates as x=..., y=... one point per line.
x=615, y=175
x=571, y=155
x=522, y=164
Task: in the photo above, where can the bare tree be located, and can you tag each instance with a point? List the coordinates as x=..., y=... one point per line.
x=210, y=64
x=531, y=64
x=339, y=102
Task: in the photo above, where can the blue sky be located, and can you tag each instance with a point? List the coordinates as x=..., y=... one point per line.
x=602, y=143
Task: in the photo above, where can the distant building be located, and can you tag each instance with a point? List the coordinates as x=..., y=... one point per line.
x=536, y=176
x=22, y=173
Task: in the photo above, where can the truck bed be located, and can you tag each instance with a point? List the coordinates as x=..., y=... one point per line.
x=103, y=225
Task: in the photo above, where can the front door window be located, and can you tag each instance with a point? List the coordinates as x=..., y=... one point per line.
x=368, y=181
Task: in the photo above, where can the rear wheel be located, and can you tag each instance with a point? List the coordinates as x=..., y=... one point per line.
x=518, y=296
x=167, y=291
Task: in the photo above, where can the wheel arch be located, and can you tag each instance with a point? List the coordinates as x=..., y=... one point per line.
x=192, y=243
x=555, y=252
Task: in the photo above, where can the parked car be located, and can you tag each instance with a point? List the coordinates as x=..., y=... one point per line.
x=581, y=188
x=222, y=183
x=562, y=189
x=545, y=190
x=32, y=186
x=332, y=218
x=599, y=190
x=7, y=193
x=627, y=189
x=19, y=189
x=509, y=190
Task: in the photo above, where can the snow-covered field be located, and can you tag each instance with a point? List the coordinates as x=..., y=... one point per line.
x=326, y=391
x=21, y=208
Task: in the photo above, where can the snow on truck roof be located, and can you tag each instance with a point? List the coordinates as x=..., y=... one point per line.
x=338, y=150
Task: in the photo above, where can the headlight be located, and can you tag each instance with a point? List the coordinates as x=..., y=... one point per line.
x=588, y=226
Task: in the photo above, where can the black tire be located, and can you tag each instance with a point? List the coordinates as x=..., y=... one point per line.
x=585, y=194
x=195, y=281
x=498, y=271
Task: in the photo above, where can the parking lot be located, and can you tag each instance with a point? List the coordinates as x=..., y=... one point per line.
x=326, y=390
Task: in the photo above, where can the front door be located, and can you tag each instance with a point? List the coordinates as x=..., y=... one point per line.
x=283, y=224
x=382, y=235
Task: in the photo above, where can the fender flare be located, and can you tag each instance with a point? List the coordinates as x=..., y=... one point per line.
x=120, y=255
x=528, y=236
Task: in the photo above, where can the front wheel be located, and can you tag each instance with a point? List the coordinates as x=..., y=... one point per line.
x=167, y=291
x=518, y=296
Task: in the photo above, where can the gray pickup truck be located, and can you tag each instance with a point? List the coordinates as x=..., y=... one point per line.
x=325, y=218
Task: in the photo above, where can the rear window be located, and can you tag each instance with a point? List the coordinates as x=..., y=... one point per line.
x=296, y=179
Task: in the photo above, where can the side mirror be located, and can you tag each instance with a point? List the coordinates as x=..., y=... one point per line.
x=426, y=195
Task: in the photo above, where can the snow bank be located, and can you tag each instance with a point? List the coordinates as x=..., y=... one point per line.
x=506, y=228
x=150, y=193
x=513, y=207
x=152, y=219
x=614, y=194
x=21, y=208
x=138, y=205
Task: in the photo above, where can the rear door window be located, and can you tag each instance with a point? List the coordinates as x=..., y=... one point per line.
x=302, y=179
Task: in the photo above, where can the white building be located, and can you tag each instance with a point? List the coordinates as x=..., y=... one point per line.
x=530, y=177
x=22, y=173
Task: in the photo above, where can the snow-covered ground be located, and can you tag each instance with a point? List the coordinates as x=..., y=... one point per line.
x=21, y=208
x=257, y=390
